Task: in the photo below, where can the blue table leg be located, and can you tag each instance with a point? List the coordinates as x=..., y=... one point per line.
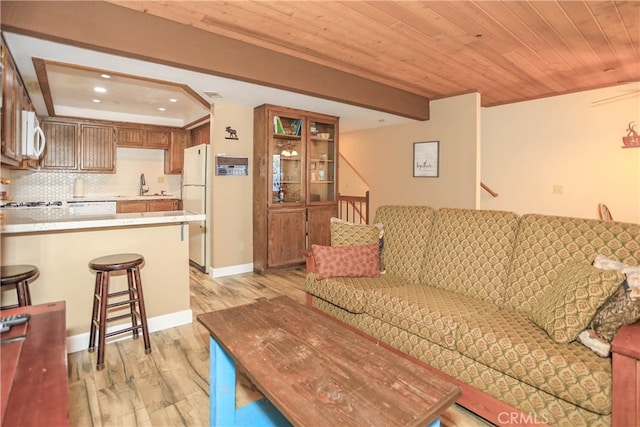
x=222, y=396
x=222, y=387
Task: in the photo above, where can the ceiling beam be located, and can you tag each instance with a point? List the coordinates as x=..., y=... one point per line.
x=121, y=31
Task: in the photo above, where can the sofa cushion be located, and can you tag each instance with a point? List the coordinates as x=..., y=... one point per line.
x=572, y=300
x=348, y=234
x=505, y=340
x=624, y=307
x=406, y=233
x=349, y=292
x=345, y=233
x=545, y=244
x=469, y=252
x=346, y=261
x=632, y=272
x=621, y=309
x=540, y=407
x=429, y=312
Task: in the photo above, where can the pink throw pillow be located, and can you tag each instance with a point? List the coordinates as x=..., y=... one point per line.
x=346, y=261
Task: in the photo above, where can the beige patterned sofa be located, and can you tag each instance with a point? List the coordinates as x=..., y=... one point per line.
x=458, y=295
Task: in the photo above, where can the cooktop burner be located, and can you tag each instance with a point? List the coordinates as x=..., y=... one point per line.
x=9, y=205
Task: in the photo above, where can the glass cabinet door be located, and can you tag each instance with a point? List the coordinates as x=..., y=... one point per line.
x=287, y=154
x=322, y=162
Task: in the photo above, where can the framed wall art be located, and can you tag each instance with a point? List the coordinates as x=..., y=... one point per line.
x=426, y=158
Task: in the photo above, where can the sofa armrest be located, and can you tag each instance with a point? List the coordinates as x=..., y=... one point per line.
x=309, y=260
x=625, y=392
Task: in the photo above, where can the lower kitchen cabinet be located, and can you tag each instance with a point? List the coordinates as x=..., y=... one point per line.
x=163, y=205
x=130, y=206
x=155, y=205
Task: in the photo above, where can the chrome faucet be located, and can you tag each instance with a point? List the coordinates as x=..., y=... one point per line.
x=143, y=183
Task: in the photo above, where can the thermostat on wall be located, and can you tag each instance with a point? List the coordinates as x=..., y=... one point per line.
x=228, y=165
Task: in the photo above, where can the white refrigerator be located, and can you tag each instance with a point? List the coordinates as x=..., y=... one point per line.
x=195, y=198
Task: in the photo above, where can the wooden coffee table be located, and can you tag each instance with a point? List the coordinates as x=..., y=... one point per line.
x=314, y=372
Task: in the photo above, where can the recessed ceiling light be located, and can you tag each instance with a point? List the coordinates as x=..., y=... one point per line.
x=162, y=109
x=173, y=100
x=105, y=76
x=97, y=101
x=99, y=89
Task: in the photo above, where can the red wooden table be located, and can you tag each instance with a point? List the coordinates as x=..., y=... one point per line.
x=314, y=372
x=34, y=369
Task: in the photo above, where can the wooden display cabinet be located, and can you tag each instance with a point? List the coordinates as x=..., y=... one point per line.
x=295, y=185
x=322, y=162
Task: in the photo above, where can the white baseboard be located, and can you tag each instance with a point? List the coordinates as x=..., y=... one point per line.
x=230, y=271
x=81, y=341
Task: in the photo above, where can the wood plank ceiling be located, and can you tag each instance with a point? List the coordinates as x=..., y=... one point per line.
x=508, y=51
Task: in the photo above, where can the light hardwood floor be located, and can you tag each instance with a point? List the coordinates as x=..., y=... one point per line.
x=170, y=387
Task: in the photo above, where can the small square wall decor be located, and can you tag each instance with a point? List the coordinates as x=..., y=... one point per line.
x=426, y=159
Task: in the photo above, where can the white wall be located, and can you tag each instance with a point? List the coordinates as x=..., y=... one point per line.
x=232, y=201
x=568, y=142
x=349, y=182
x=384, y=157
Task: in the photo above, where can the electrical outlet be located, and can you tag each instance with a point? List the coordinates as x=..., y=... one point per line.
x=558, y=189
x=161, y=179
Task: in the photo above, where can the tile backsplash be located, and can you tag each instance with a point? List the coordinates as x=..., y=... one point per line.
x=130, y=163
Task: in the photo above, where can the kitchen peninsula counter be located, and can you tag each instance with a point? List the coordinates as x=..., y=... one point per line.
x=62, y=245
x=42, y=220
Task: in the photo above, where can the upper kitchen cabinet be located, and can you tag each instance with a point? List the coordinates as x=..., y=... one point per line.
x=76, y=146
x=14, y=100
x=200, y=135
x=143, y=136
x=130, y=137
x=97, y=148
x=158, y=139
x=61, y=151
x=174, y=156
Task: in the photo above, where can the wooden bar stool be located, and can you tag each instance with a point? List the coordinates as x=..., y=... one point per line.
x=103, y=266
x=19, y=276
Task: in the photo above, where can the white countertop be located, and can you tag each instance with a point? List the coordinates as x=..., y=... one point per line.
x=123, y=198
x=40, y=220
